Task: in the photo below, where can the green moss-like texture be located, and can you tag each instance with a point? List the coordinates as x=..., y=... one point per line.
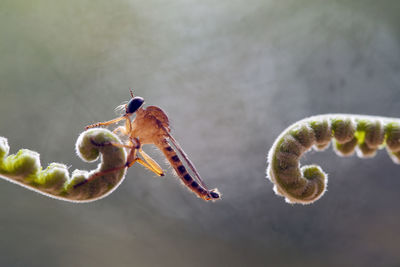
x=349, y=133
x=24, y=169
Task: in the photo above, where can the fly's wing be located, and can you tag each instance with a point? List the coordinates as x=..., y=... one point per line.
x=187, y=160
x=163, y=123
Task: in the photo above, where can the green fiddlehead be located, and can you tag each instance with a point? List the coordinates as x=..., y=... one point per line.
x=24, y=169
x=350, y=133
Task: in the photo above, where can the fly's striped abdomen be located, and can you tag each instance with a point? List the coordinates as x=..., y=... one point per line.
x=183, y=174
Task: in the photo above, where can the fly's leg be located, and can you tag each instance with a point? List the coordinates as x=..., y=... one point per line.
x=111, y=144
x=120, y=129
x=98, y=174
x=129, y=162
x=146, y=165
x=150, y=163
x=105, y=123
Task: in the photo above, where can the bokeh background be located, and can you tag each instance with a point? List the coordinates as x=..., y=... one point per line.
x=232, y=75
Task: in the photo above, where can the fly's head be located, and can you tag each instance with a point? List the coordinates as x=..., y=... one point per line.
x=133, y=105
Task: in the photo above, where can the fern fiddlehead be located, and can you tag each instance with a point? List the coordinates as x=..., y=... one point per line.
x=349, y=133
x=24, y=169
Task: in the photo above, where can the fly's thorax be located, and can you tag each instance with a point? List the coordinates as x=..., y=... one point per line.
x=150, y=125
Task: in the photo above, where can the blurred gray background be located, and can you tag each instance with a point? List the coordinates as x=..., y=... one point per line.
x=232, y=75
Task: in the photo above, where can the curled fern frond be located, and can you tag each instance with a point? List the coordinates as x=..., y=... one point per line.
x=350, y=133
x=24, y=169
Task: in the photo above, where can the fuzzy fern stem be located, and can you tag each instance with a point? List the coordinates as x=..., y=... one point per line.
x=349, y=133
x=24, y=169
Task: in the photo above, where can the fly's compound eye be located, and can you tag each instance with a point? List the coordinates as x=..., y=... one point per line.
x=134, y=104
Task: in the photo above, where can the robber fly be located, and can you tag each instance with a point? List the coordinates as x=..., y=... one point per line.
x=151, y=126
